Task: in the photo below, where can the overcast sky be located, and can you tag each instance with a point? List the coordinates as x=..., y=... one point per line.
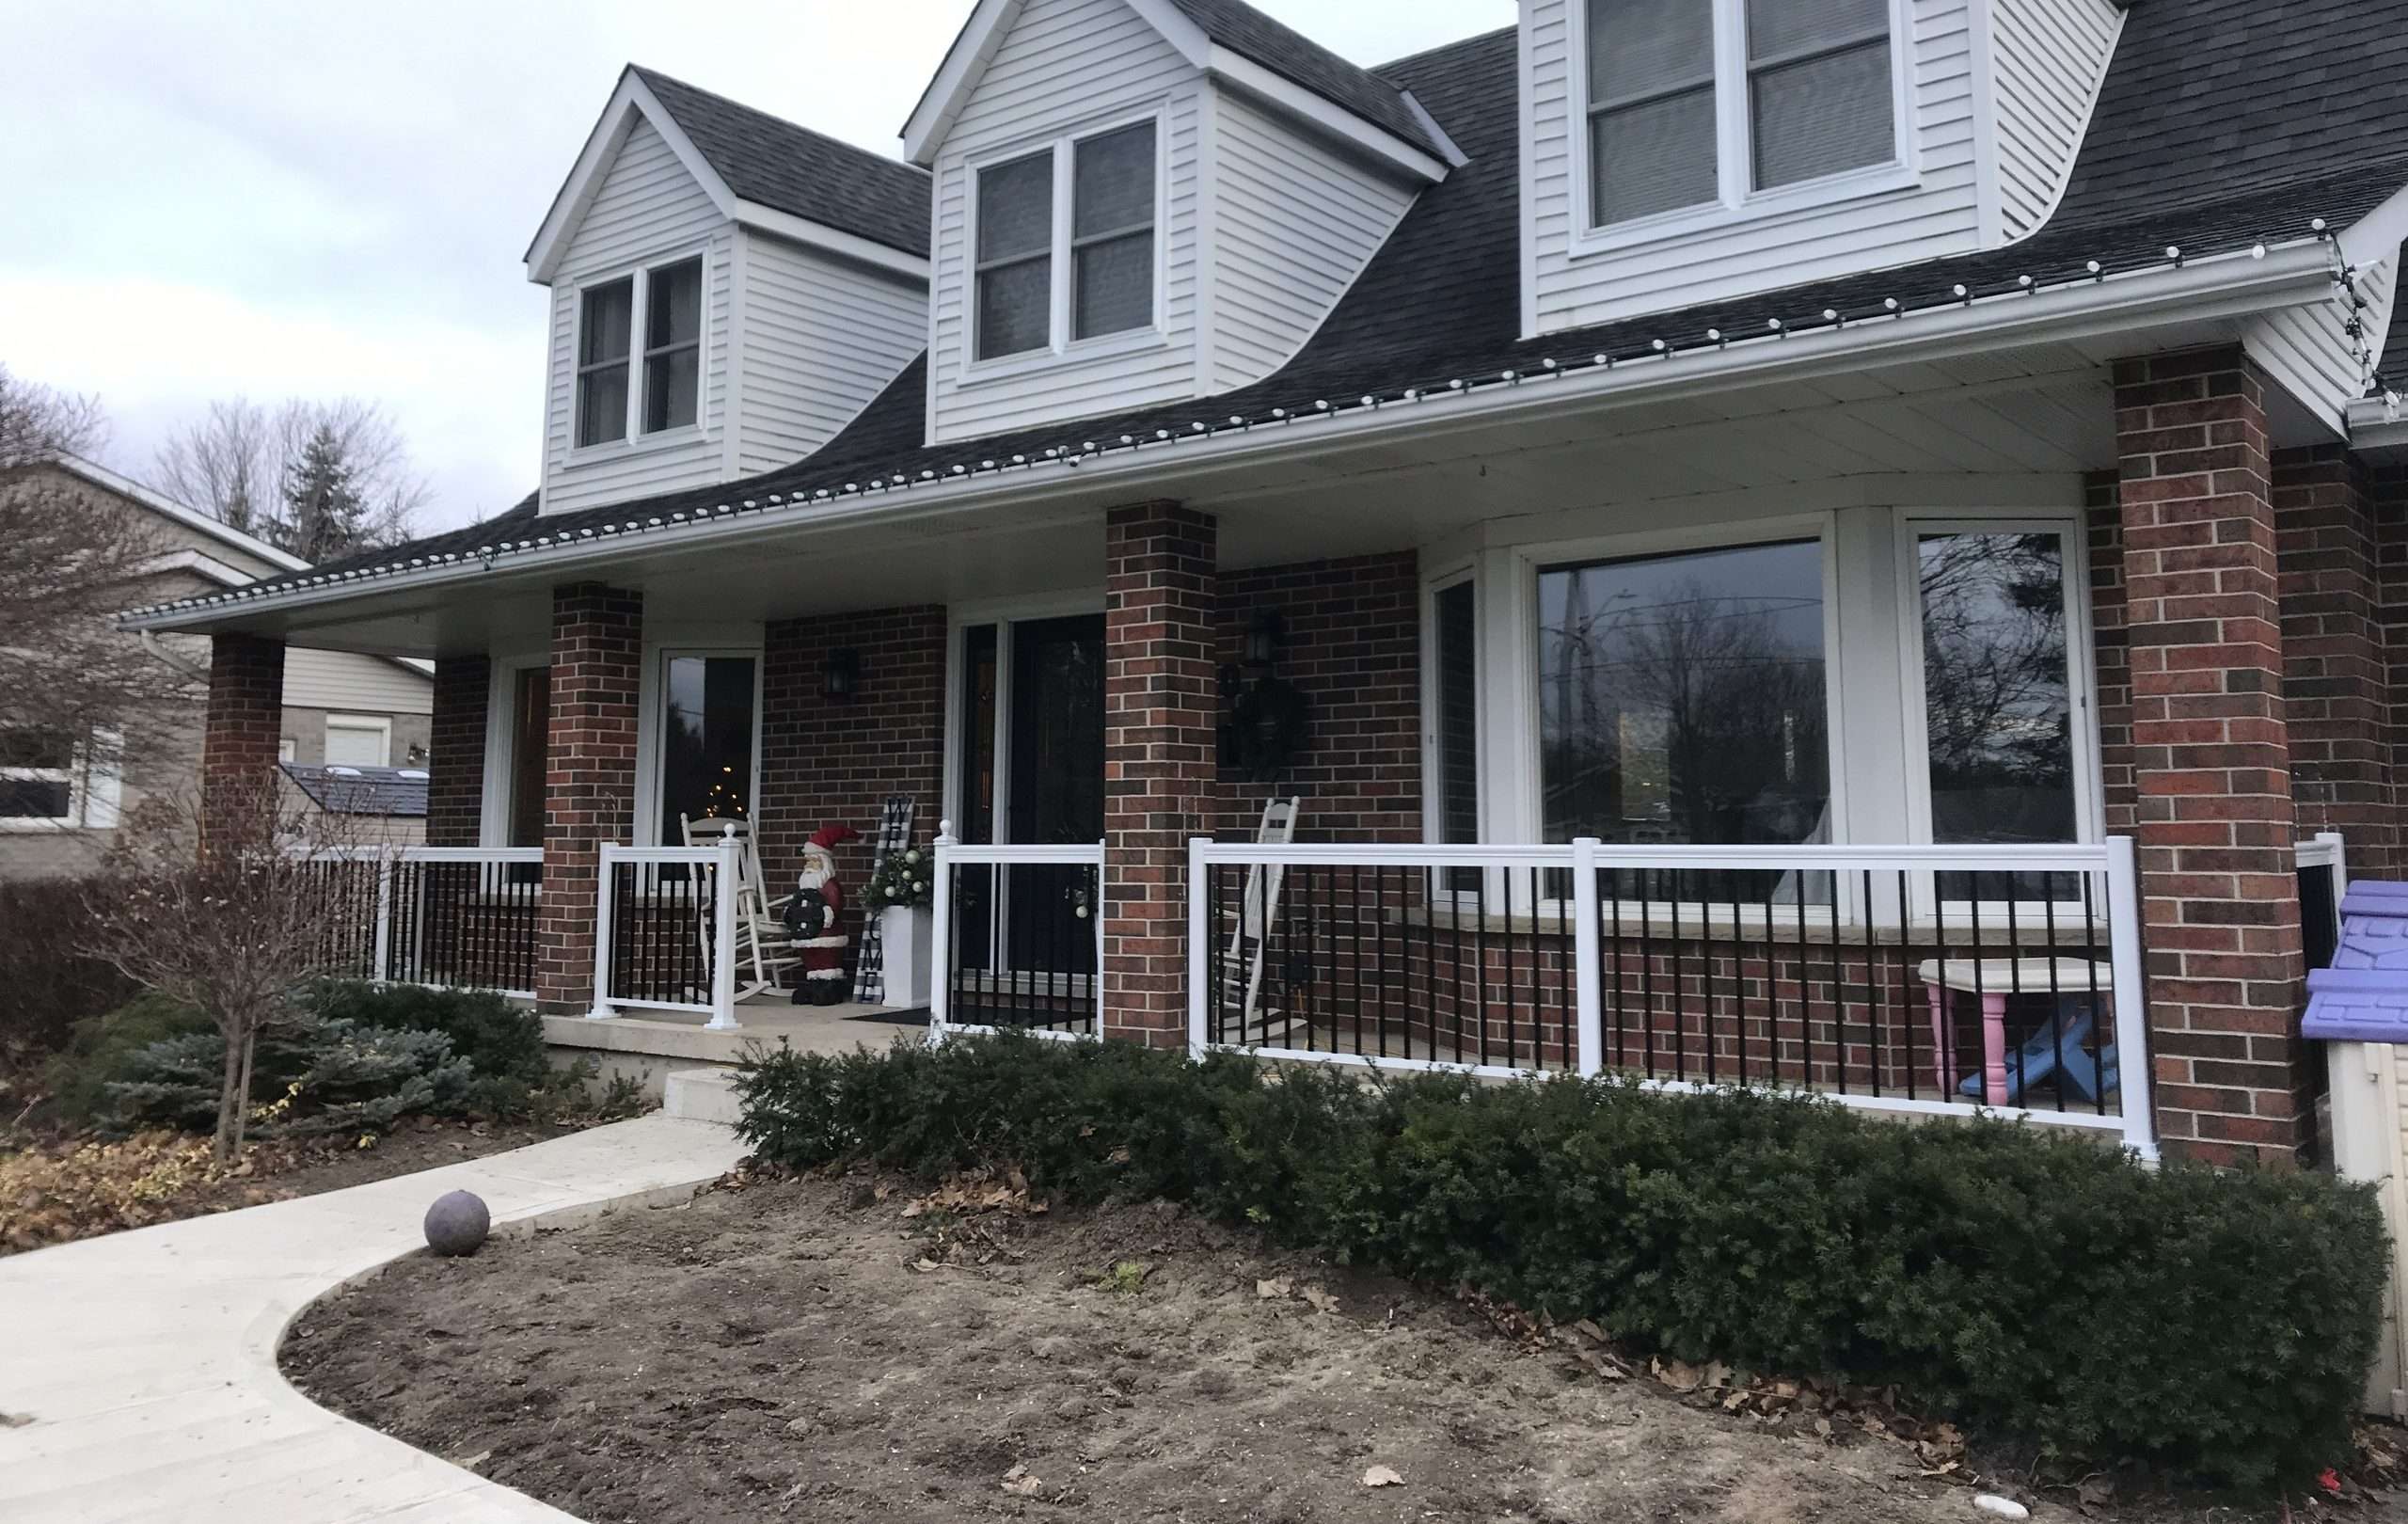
x=294, y=197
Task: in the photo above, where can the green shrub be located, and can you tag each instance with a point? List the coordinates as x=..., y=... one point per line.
x=2035, y=1285
x=100, y=1048
x=309, y=1078
x=498, y=1040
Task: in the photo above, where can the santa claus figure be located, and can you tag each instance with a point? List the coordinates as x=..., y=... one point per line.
x=814, y=919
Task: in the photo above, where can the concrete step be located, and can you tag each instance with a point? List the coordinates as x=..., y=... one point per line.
x=701, y=1095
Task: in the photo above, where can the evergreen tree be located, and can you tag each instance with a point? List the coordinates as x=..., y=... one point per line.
x=325, y=516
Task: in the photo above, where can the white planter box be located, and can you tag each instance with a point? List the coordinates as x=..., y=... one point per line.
x=909, y=934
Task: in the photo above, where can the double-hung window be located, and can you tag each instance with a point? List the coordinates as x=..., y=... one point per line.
x=617, y=397
x=1066, y=243
x=48, y=780
x=1693, y=103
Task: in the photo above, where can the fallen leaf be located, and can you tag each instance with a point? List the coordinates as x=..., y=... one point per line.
x=913, y=1209
x=1382, y=1476
x=924, y=1267
x=1268, y=1289
x=1823, y=1428
x=1021, y=1483
x=1589, y=1330
x=15, y=1420
x=1677, y=1374
x=1718, y=1374
x=470, y=1462
x=1321, y=1300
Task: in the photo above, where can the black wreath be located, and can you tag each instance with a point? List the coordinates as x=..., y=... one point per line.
x=1268, y=726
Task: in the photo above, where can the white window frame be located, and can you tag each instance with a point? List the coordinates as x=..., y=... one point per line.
x=639, y=276
x=93, y=791
x=1445, y=578
x=381, y=725
x=2089, y=786
x=1061, y=348
x=1736, y=199
x=651, y=830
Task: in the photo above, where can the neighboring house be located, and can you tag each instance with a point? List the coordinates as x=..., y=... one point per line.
x=364, y=709
x=1732, y=518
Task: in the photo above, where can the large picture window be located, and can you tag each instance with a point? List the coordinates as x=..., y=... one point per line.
x=1693, y=103
x=52, y=780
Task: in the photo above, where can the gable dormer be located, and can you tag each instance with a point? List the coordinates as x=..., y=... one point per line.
x=1681, y=151
x=728, y=290
x=1142, y=201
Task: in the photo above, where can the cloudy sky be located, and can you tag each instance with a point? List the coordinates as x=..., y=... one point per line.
x=291, y=197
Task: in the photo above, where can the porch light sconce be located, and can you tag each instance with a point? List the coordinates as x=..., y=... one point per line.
x=1264, y=634
x=840, y=680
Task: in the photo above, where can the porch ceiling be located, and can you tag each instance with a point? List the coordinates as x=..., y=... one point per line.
x=2019, y=425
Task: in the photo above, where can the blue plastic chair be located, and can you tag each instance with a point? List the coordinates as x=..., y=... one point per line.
x=2084, y=1078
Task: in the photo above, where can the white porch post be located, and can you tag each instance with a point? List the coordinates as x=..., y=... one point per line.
x=941, y=956
x=726, y=875
x=1198, y=991
x=2131, y=997
x=1586, y=955
x=606, y=868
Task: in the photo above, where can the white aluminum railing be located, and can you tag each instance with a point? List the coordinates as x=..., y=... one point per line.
x=1029, y=992
x=442, y=928
x=683, y=954
x=1881, y=899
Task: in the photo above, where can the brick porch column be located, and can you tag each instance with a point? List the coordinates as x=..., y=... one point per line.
x=1160, y=701
x=2336, y=677
x=598, y=659
x=2210, y=757
x=455, y=783
x=244, y=724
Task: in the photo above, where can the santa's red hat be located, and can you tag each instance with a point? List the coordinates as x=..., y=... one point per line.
x=828, y=835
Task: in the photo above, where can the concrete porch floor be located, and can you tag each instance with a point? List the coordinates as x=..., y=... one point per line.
x=659, y=1042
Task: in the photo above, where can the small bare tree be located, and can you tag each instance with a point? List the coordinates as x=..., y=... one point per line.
x=72, y=686
x=252, y=469
x=232, y=904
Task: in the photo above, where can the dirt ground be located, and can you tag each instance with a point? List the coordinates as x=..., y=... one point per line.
x=805, y=1350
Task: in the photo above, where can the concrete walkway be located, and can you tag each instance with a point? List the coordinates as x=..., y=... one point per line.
x=137, y=1372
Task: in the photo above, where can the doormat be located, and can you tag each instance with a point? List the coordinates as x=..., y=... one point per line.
x=915, y=1016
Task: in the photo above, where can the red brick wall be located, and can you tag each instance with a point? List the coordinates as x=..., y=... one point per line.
x=1161, y=704
x=246, y=717
x=2335, y=669
x=597, y=663
x=1352, y=647
x=2387, y=487
x=2211, y=758
x=2112, y=676
x=827, y=763
x=456, y=744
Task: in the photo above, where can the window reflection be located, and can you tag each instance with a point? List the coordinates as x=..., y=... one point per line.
x=1682, y=701
x=706, y=751
x=1998, y=699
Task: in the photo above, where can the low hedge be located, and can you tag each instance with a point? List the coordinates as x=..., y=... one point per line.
x=2034, y=1286
x=46, y=985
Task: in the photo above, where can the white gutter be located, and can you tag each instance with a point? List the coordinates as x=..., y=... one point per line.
x=2251, y=280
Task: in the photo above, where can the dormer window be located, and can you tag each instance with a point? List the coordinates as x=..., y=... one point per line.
x=1066, y=246
x=1705, y=104
x=666, y=390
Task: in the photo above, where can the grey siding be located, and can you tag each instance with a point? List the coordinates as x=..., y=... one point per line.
x=2309, y=352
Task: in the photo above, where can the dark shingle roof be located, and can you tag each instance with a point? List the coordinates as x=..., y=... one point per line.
x=339, y=790
x=793, y=169
x=1300, y=60
x=1439, y=302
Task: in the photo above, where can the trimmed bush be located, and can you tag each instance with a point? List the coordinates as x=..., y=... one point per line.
x=2036, y=1286
x=498, y=1040
x=99, y=1048
x=317, y=1077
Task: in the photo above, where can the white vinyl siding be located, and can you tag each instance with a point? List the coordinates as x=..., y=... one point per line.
x=649, y=209
x=2308, y=352
x=2047, y=57
x=821, y=338
x=1938, y=213
x=350, y=683
x=1067, y=66
x=1278, y=273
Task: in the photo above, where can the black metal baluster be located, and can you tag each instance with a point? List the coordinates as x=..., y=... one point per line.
x=1839, y=985
x=2102, y=1031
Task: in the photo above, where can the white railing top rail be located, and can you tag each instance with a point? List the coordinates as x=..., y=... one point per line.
x=1088, y=854
x=427, y=854
x=669, y=854
x=2017, y=858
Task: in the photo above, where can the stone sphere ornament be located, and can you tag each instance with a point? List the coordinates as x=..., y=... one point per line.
x=457, y=1223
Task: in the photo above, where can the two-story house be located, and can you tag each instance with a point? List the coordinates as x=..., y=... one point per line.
x=352, y=728
x=1847, y=545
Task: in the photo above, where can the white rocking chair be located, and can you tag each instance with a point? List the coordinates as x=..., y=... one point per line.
x=1250, y=939
x=760, y=936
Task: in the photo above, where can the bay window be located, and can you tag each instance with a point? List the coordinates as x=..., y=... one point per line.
x=1694, y=104
x=1064, y=245
x=615, y=396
